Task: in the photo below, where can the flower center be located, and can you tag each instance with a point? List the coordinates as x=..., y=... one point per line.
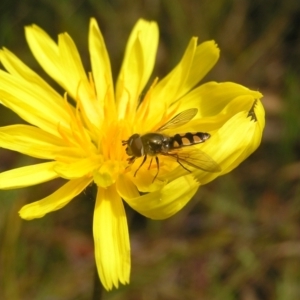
x=113, y=153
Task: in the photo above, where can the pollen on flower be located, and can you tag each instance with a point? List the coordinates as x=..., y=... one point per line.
x=115, y=159
x=111, y=140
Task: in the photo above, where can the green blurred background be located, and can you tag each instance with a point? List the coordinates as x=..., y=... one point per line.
x=239, y=238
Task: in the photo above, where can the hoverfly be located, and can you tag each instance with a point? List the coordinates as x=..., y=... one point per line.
x=156, y=143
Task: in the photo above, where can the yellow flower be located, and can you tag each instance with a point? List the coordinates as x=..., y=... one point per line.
x=80, y=133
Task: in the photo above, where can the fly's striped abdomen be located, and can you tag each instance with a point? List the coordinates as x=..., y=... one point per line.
x=188, y=139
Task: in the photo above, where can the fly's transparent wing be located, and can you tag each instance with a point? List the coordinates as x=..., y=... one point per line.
x=196, y=159
x=180, y=119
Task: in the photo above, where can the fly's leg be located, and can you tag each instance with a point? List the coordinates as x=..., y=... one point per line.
x=145, y=158
x=130, y=160
x=157, y=164
x=150, y=163
x=184, y=166
x=175, y=155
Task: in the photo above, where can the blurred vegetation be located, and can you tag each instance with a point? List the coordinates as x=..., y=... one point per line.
x=240, y=237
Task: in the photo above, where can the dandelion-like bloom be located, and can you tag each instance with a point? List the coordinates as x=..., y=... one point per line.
x=80, y=133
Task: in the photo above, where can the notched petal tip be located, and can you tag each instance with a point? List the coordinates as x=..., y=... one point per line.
x=213, y=44
x=210, y=48
x=33, y=29
x=143, y=23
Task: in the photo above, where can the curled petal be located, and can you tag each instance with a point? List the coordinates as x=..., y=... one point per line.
x=166, y=202
x=235, y=141
x=210, y=98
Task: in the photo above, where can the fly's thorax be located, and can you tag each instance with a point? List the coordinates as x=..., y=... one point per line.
x=135, y=146
x=188, y=139
x=155, y=143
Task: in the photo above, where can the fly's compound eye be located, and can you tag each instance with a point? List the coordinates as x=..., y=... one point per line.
x=128, y=151
x=135, y=145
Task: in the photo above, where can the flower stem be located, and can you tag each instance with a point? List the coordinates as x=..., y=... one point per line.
x=97, y=288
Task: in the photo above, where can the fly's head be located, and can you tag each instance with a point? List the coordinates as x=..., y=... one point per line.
x=135, y=146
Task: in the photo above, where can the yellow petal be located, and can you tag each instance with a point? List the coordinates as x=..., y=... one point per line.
x=46, y=52
x=147, y=33
x=27, y=176
x=79, y=168
x=100, y=64
x=112, y=248
x=213, y=123
x=166, y=202
x=55, y=201
x=71, y=64
x=144, y=178
x=28, y=101
x=171, y=87
x=126, y=189
x=206, y=56
x=31, y=141
x=17, y=68
x=137, y=66
x=76, y=82
x=107, y=174
x=194, y=65
x=62, y=62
